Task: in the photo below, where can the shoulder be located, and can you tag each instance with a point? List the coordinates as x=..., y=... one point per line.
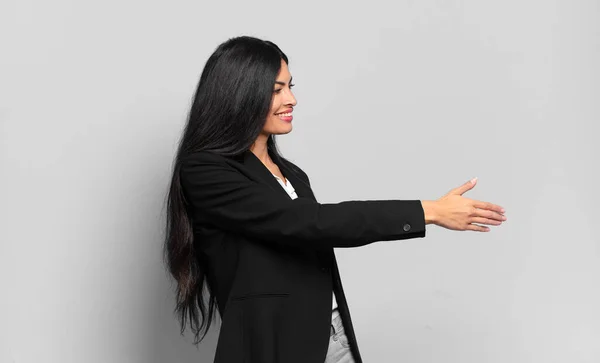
x=207, y=164
x=199, y=158
x=202, y=156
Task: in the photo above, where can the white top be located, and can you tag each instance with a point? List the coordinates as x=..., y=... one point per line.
x=289, y=188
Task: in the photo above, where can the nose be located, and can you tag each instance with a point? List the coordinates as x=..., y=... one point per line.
x=291, y=100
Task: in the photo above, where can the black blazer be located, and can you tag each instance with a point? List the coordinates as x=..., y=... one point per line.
x=270, y=259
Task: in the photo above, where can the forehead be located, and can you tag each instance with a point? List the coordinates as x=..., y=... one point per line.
x=284, y=72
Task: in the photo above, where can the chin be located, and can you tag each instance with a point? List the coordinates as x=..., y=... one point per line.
x=282, y=131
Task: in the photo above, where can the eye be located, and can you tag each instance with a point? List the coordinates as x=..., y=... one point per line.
x=279, y=90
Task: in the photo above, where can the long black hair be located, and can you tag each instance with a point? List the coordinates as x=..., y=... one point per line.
x=228, y=112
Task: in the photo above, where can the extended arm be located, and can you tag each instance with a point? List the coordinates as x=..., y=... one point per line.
x=222, y=196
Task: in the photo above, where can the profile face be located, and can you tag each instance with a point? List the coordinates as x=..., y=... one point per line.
x=279, y=120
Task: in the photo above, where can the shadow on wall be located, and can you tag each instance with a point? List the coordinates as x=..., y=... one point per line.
x=162, y=332
x=162, y=341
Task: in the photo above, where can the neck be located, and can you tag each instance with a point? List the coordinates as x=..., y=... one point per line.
x=259, y=148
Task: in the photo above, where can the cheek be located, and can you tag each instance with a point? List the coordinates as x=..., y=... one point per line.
x=275, y=125
x=269, y=123
x=272, y=121
x=275, y=104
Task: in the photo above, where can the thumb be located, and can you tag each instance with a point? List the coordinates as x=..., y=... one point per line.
x=465, y=187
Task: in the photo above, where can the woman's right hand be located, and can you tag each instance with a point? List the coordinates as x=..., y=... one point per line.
x=455, y=212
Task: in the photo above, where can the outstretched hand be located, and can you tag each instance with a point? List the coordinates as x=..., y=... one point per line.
x=455, y=212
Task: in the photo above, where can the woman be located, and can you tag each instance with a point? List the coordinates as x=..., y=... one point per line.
x=244, y=225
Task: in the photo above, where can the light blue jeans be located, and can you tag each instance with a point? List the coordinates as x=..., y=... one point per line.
x=339, y=348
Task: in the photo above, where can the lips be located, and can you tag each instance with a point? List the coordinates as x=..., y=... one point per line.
x=287, y=112
x=285, y=116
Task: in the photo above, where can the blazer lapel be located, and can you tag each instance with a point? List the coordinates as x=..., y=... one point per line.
x=261, y=172
x=301, y=187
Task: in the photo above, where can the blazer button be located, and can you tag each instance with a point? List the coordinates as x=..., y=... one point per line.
x=406, y=227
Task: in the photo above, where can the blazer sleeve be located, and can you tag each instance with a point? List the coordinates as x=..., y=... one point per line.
x=221, y=195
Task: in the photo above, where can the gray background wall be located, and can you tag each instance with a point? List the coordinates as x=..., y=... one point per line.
x=396, y=100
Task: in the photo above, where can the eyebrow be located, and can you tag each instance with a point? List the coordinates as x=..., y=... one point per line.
x=283, y=83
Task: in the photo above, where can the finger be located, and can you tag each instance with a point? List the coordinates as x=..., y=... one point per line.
x=474, y=227
x=489, y=206
x=465, y=187
x=489, y=214
x=481, y=220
